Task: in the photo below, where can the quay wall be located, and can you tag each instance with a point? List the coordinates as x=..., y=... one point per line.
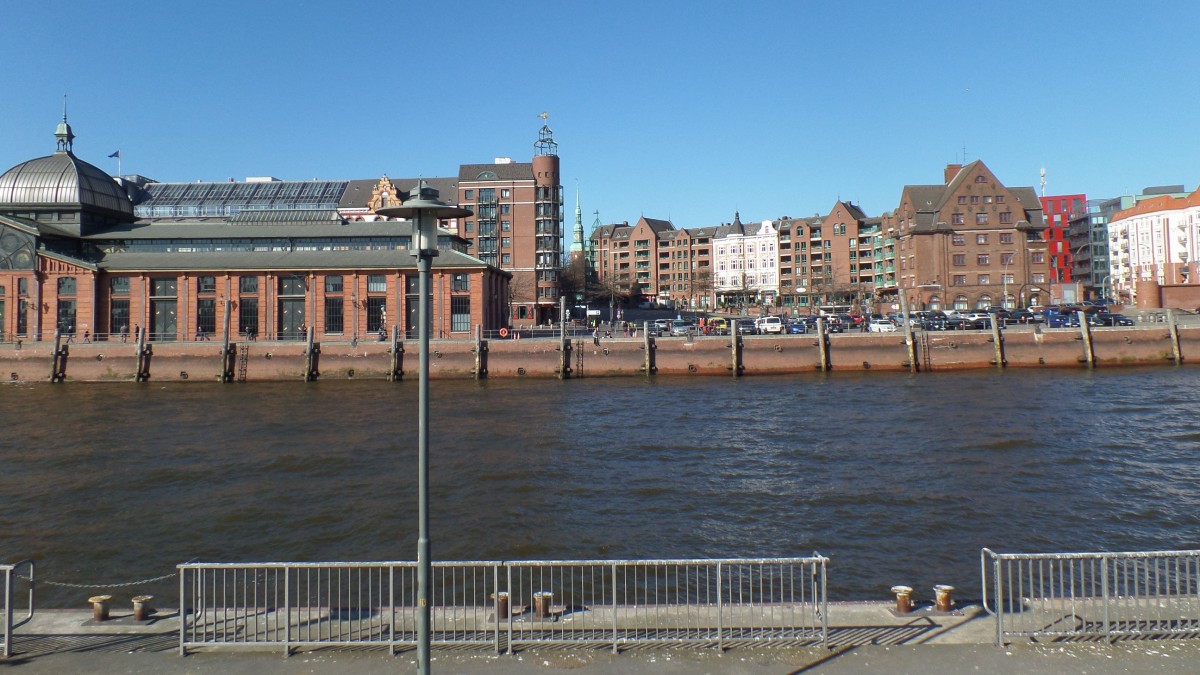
x=1021, y=347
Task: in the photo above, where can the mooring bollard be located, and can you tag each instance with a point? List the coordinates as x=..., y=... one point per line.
x=100, y=607
x=141, y=607
x=942, y=599
x=501, y=599
x=541, y=604
x=903, y=599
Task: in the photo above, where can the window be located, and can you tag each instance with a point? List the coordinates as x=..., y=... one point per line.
x=66, y=285
x=960, y=280
x=960, y=302
x=987, y=200
x=206, y=317
x=505, y=242
x=1005, y=237
x=974, y=199
x=999, y=199
x=981, y=218
x=505, y=209
x=468, y=195
x=334, y=312
x=962, y=199
x=376, y=314
x=1006, y=258
x=981, y=259
x=506, y=226
x=377, y=283
x=1038, y=278
x=1006, y=278
x=506, y=259
x=469, y=226
x=1037, y=257
x=980, y=179
x=984, y=301
x=505, y=193
x=248, y=284
x=119, y=285
x=293, y=284
x=985, y=279
x=460, y=313
x=118, y=317
x=162, y=288
x=958, y=239
x=460, y=283
x=333, y=284
x=206, y=285
x=960, y=258
x=956, y=219
x=1006, y=217
x=248, y=315
x=981, y=239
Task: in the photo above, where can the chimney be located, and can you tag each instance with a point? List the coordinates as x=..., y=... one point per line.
x=952, y=171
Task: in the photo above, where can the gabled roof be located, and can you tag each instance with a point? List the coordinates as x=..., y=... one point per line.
x=657, y=225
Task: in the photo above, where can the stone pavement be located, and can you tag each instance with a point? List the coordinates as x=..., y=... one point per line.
x=866, y=638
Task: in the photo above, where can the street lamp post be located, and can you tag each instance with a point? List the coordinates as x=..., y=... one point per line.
x=424, y=209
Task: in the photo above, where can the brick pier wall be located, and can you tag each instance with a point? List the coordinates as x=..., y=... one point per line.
x=614, y=357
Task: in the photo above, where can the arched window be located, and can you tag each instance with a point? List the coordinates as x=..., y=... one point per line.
x=935, y=302
x=984, y=301
x=1010, y=302
x=960, y=303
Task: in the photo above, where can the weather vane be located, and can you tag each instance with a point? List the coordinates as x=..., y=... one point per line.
x=544, y=115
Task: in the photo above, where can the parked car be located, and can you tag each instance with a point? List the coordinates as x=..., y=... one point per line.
x=1022, y=316
x=768, y=325
x=680, y=327
x=1057, y=320
x=1109, y=319
x=746, y=327
x=798, y=327
x=881, y=325
x=716, y=326
x=662, y=326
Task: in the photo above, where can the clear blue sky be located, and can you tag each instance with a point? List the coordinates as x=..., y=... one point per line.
x=687, y=111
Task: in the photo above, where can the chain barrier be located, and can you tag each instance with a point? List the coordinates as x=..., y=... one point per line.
x=126, y=584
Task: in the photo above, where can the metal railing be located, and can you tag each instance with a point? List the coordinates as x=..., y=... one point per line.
x=9, y=572
x=1145, y=594
x=505, y=604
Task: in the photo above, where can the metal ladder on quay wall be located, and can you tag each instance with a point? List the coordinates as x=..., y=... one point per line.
x=243, y=363
x=923, y=345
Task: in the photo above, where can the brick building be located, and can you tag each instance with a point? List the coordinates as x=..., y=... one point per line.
x=83, y=254
x=970, y=242
x=518, y=225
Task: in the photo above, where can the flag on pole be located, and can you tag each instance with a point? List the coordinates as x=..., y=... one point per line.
x=116, y=154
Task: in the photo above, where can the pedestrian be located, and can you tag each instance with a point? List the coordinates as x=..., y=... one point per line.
x=596, y=336
x=87, y=336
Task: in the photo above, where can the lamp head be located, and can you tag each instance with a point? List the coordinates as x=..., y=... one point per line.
x=424, y=209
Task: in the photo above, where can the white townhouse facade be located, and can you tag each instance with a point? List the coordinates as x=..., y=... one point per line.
x=1156, y=240
x=747, y=262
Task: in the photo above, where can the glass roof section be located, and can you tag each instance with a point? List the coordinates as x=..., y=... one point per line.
x=165, y=200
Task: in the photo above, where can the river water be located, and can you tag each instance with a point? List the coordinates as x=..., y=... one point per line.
x=900, y=479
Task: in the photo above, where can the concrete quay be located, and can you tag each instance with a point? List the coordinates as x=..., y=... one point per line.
x=865, y=637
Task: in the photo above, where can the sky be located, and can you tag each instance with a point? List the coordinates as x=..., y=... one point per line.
x=682, y=111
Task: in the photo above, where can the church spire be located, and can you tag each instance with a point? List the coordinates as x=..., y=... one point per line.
x=577, y=247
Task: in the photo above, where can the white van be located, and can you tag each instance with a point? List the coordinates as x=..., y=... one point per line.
x=766, y=325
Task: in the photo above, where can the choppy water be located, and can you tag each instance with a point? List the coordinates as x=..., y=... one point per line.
x=898, y=478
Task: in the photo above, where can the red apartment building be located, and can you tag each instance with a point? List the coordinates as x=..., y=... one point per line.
x=1057, y=210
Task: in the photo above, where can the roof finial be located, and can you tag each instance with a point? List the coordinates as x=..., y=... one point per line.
x=64, y=134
